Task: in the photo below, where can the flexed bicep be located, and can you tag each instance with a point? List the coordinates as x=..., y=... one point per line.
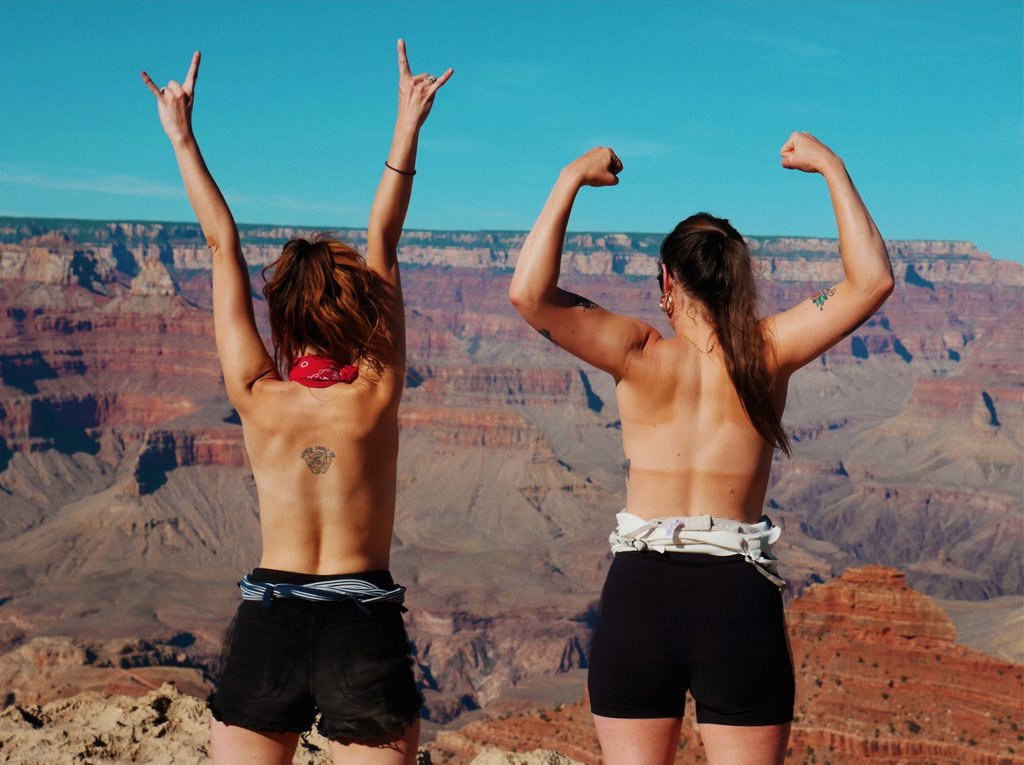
x=574, y=323
x=602, y=338
x=825, y=316
x=833, y=311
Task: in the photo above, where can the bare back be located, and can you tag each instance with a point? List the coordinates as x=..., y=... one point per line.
x=325, y=461
x=690, y=448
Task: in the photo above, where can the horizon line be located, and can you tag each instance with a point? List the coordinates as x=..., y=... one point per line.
x=569, y=232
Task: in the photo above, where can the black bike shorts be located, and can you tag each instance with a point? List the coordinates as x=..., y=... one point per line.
x=678, y=621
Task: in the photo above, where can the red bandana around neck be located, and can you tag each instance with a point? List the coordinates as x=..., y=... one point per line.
x=321, y=372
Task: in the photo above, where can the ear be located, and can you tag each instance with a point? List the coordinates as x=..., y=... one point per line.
x=666, y=281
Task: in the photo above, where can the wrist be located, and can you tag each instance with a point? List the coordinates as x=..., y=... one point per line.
x=833, y=167
x=181, y=140
x=407, y=126
x=570, y=176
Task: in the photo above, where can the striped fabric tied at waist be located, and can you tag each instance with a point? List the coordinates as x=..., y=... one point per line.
x=359, y=591
x=701, y=534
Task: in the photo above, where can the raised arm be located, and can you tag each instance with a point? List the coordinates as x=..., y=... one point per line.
x=810, y=328
x=589, y=332
x=243, y=357
x=387, y=216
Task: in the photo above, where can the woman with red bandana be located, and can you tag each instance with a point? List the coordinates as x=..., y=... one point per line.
x=319, y=630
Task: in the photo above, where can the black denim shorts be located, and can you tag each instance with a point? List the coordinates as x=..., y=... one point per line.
x=283, y=665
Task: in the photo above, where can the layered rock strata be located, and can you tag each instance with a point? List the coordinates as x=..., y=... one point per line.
x=123, y=474
x=879, y=679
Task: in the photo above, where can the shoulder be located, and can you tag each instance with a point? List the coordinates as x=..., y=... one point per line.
x=270, y=387
x=271, y=392
x=648, y=351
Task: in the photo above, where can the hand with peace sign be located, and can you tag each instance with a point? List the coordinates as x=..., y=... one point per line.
x=174, y=102
x=416, y=92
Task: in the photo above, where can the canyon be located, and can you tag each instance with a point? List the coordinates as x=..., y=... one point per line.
x=879, y=679
x=127, y=512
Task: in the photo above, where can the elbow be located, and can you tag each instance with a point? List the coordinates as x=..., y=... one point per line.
x=884, y=285
x=221, y=241
x=527, y=304
x=888, y=286
x=520, y=298
x=875, y=288
x=878, y=291
x=886, y=281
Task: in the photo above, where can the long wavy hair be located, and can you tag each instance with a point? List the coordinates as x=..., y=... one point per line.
x=712, y=264
x=321, y=294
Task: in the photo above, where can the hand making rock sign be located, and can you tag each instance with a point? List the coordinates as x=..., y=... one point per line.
x=319, y=630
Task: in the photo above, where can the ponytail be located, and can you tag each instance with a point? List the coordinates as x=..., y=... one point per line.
x=712, y=262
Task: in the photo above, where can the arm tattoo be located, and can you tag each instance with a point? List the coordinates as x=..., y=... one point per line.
x=546, y=335
x=582, y=302
x=318, y=459
x=821, y=296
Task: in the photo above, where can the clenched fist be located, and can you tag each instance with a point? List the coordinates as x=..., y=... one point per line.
x=598, y=167
x=802, y=151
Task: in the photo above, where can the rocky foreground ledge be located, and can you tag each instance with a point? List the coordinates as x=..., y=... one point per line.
x=164, y=726
x=880, y=679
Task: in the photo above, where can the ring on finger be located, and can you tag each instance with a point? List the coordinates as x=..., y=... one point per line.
x=431, y=79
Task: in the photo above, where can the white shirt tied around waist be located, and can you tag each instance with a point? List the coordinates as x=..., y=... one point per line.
x=701, y=534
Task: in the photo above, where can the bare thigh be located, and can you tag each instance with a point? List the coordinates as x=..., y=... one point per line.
x=745, y=745
x=638, y=742
x=399, y=749
x=232, y=745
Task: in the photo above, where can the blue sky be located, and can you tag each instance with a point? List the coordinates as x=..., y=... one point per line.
x=296, y=102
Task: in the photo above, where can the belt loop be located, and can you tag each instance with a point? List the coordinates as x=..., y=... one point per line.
x=268, y=595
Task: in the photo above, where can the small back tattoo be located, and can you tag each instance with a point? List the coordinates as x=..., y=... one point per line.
x=627, y=469
x=821, y=296
x=318, y=459
x=546, y=335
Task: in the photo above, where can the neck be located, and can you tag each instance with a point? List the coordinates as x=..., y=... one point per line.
x=690, y=321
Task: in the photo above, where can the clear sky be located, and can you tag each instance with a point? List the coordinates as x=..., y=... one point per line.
x=296, y=100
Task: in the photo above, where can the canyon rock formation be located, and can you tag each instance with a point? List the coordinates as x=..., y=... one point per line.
x=127, y=513
x=879, y=679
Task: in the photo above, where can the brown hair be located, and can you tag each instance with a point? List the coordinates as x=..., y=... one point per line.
x=322, y=294
x=712, y=264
